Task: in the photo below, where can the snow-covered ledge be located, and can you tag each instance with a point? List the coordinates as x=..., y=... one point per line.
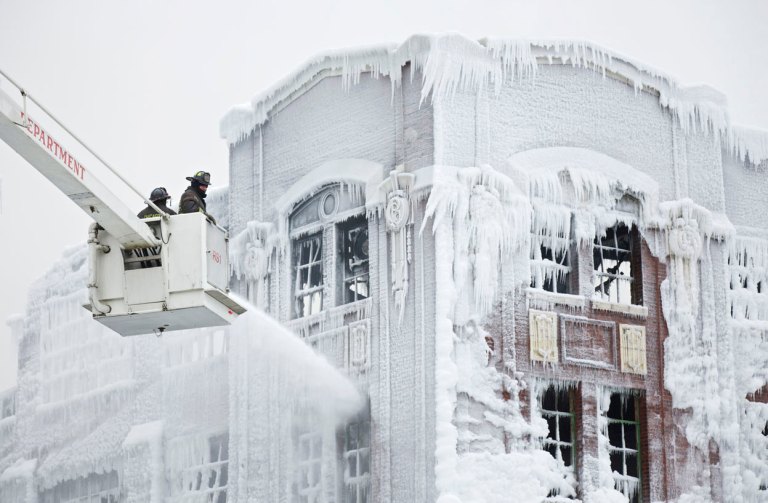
x=356, y=172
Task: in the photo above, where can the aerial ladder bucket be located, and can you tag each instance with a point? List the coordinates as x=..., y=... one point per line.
x=145, y=276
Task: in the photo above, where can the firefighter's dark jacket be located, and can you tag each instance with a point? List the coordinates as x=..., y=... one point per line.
x=192, y=201
x=149, y=211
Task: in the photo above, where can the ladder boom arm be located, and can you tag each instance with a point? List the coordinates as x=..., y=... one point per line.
x=58, y=165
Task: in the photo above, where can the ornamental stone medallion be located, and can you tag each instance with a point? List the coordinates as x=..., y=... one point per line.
x=397, y=214
x=397, y=210
x=542, y=328
x=633, y=358
x=684, y=238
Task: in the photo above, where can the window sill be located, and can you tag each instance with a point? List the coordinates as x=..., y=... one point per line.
x=330, y=319
x=545, y=300
x=628, y=309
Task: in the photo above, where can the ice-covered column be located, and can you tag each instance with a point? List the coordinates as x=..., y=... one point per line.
x=698, y=354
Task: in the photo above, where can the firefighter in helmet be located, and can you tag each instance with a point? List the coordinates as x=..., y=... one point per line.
x=193, y=199
x=160, y=197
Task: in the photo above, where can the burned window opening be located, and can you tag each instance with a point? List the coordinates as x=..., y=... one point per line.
x=355, y=260
x=551, y=254
x=553, y=273
x=616, y=266
x=308, y=275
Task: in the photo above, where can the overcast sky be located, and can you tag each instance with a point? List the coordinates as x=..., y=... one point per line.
x=146, y=82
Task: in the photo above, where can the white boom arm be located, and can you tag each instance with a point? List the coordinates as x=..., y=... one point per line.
x=58, y=165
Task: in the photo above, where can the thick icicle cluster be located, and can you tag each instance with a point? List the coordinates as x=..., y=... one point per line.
x=491, y=220
x=450, y=62
x=699, y=246
x=748, y=264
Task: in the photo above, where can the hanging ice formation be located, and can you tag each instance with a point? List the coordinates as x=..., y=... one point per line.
x=479, y=212
x=490, y=219
x=451, y=62
x=251, y=254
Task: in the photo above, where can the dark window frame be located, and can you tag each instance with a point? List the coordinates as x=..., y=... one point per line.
x=557, y=415
x=542, y=246
x=354, y=260
x=617, y=266
x=308, y=295
x=326, y=218
x=628, y=419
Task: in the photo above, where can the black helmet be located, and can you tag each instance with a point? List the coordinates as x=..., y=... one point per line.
x=201, y=177
x=159, y=194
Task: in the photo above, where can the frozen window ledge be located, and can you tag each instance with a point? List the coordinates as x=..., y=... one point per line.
x=543, y=299
x=628, y=309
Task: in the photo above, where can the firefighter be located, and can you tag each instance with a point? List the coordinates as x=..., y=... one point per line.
x=160, y=197
x=193, y=199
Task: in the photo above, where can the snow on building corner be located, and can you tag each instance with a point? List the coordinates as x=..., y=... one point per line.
x=534, y=269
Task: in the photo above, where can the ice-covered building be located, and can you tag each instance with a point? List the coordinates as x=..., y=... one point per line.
x=542, y=265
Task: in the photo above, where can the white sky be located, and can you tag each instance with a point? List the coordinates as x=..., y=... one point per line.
x=146, y=82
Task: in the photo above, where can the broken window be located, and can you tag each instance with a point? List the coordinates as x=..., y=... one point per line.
x=623, y=423
x=616, y=266
x=329, y=228
x=551, y=252
x=354, y=260
x=557, y=408
x=551, y=270
x=357, y=459
x=308, y=275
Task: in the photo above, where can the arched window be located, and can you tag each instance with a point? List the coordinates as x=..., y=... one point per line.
x=329, y=250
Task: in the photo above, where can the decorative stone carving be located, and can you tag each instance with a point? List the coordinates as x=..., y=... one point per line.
x=397, y=215
x=251, y=253
x=589, y=343
x=357, y=352
x=684, y=238
x=542, y=328
x=633, y=349
x=397, y=211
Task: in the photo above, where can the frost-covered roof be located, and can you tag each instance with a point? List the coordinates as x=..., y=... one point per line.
x=451, y=62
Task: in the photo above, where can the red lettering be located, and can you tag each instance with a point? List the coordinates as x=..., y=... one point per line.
x=54, y=147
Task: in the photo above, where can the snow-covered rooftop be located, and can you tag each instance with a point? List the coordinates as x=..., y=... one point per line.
x=451, y=62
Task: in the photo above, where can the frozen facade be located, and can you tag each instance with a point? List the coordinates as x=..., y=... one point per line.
x=541, y=265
